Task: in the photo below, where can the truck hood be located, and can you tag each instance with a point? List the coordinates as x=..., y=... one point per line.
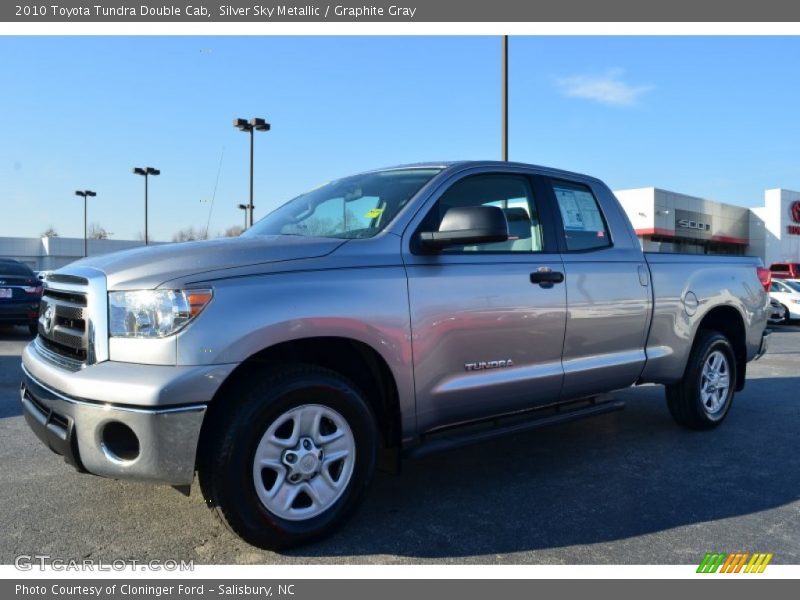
x=149, y=267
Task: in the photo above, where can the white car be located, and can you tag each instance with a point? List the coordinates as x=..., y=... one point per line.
x=787, y=292
x=777, y=312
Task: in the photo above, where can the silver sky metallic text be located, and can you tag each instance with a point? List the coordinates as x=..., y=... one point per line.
x=290, y=10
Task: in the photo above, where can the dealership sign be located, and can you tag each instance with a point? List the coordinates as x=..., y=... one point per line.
x=692, y=224
x=794, y=213
x=689, y=224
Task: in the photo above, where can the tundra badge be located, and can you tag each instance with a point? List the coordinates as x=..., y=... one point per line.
x=488, y=364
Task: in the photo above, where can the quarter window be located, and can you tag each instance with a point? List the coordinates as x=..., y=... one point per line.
x=584, y=226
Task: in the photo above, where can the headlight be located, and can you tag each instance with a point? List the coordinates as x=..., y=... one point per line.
x=154, y=313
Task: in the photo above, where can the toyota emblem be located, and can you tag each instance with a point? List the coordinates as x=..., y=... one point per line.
x=49, y=318
x=794, y=211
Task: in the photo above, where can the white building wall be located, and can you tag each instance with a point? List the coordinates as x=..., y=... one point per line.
x=27, y=250
x=639, y=205
x=47, y=254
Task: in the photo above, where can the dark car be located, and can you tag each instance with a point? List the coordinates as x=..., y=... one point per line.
x=20, y=293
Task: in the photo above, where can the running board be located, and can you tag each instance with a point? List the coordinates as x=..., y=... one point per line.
x=476, y=432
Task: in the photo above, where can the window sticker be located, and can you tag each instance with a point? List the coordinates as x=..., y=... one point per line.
x=373, y=213
x=579, y=210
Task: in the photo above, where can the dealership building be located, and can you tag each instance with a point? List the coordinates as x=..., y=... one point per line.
x=50, y=253
x=671, y=222
x=664, y=221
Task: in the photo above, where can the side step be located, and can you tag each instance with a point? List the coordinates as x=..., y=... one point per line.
x=481, y=431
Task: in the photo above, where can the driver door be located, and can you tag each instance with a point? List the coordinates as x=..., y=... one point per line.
x=486, y=339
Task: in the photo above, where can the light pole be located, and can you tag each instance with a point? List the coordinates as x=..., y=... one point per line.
x=146, y=172
x=504, y=98
x=255, y=124
x=85, y=194
x=244, y=207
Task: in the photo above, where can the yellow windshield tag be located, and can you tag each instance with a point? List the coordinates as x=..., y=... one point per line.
x=374, y=213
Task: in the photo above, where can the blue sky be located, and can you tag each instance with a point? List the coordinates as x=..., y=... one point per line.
x=709, y=116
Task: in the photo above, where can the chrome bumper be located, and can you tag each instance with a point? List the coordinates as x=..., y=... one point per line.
x=111, y=440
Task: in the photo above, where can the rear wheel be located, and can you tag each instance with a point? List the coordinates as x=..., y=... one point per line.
x=702, y=399
x=291, y=458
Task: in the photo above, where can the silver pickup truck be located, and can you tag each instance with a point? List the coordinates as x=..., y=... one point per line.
x=389, y=314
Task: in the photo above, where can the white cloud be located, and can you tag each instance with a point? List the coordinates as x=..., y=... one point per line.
x=607, y=88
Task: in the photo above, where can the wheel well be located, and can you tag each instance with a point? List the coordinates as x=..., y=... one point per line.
x=352, y=359
x=727, y=321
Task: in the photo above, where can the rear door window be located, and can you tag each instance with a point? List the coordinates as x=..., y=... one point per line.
x=584, y=225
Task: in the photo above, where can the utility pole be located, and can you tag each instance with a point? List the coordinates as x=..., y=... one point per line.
x=504, y=98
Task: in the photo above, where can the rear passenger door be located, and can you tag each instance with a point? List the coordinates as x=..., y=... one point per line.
x=608, y=291
x=486, y=338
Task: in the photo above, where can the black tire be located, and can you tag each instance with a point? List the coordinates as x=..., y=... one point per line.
x=33, y=328
x=225, y=462
x=787, y=316
x=684, y=398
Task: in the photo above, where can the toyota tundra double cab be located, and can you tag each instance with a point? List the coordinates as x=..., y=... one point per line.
x=380, y=316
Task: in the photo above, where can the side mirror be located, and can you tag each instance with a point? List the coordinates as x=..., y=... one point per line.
x=467, y=225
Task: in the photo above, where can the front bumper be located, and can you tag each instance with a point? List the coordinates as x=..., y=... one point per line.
x=88, y=435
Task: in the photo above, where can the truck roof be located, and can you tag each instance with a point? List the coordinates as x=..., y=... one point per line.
x=459, y=164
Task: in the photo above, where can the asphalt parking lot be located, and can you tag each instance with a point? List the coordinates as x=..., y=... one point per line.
x=629, y=488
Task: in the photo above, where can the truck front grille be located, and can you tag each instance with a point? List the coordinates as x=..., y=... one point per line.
x=63, y=323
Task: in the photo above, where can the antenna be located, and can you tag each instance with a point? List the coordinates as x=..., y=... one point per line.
x=214, y=193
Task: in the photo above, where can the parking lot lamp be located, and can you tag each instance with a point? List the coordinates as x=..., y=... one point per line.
x=85, y=194
x=255, y=124
x=145, y=172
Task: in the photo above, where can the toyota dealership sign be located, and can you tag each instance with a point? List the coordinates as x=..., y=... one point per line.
x=794, y=213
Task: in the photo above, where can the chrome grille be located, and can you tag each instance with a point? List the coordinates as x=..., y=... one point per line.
x=63, y=318
x=76, y=334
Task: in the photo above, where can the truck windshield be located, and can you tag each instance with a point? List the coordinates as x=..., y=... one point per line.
x=354, y=207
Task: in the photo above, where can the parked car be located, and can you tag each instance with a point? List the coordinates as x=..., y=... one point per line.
x=385, y=315
x=787, y=292
x=785, y=270
x=20, y=293
x=777, y=312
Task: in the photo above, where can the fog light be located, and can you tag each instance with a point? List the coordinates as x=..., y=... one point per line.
x=119, y=442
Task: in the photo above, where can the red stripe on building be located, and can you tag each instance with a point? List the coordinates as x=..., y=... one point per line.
x=714, y=238
x=656, y=231
x=730, y=240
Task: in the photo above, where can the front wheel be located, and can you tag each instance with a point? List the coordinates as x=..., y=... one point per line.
x=702, y=399
x=291, y=458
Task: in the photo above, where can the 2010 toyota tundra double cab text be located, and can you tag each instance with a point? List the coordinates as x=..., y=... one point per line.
x=387, y=314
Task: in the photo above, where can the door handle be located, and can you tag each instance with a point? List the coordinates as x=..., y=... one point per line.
x=546, y=277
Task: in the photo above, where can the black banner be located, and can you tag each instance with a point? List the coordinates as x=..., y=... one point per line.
x=463, y=11
x=397, y=589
